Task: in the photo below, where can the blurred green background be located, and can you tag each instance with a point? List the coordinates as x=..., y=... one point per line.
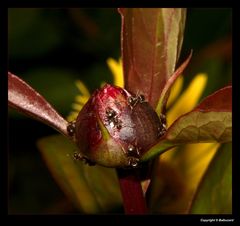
x=51, y=48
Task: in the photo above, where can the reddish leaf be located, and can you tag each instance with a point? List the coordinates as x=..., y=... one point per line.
x=165, y=92
x=210, y=121
x=221, y=100
x=151, y=43
x=25, y=99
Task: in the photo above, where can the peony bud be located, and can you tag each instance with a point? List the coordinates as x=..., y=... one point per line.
x=115, y=128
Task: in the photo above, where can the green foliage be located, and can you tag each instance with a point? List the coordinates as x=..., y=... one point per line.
x=92, y=189
x=214, y=194
x=39, y=38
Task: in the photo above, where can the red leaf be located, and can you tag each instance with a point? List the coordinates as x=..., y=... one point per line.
x=25, y=99
x=210, y=121
x=221, y=100
x=165, y=92
x=151, y=43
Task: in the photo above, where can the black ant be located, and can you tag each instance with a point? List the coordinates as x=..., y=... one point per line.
x=113, y=119
x=133, y=155
x=71, y=128
x=133, y=100
x=79, y=156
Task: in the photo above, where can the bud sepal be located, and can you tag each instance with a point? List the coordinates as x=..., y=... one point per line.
x=115, y=127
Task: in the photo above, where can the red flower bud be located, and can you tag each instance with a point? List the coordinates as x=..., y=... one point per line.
x=115, y=128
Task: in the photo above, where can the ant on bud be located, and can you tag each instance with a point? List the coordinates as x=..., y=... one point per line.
x=112, y=118
x=71, y=128
x=133, y=100
x=79, y=156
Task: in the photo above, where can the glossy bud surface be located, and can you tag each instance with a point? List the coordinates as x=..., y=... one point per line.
x=115, y=128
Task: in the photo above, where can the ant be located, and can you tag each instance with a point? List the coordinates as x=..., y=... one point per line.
x=113, y=119
x=133, y=100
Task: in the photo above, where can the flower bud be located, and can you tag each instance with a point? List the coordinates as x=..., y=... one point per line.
x=115, y=128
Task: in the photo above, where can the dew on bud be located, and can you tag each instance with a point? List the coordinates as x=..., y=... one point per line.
x=110, y=113
x=115, y=128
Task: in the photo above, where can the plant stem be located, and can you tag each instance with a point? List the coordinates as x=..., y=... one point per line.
x=132, y=194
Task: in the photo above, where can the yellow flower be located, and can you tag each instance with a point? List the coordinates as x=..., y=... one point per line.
x=117, y=71
x=185, y=103
x=189, y=161
x=189, y=99
x=82, y=98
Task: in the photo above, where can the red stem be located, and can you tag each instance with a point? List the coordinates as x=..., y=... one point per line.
x=132, y=194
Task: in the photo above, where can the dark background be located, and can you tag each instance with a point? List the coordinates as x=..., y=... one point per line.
x=51, y=48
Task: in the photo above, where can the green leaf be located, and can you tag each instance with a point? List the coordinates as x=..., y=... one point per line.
x=151, y=44
x=214, y=194
x=93, y=189
x=210, y=121
x=167, y=192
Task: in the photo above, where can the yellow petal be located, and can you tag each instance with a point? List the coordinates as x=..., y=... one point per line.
x=77, y=107
x=188, y=99
x=196, y=158
x=116, y=69
x=192, y=159
x=72, y=116
x=189, y=162
x=82, y=88
x=168, y=155
x=175, y=90
x=81, y=99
